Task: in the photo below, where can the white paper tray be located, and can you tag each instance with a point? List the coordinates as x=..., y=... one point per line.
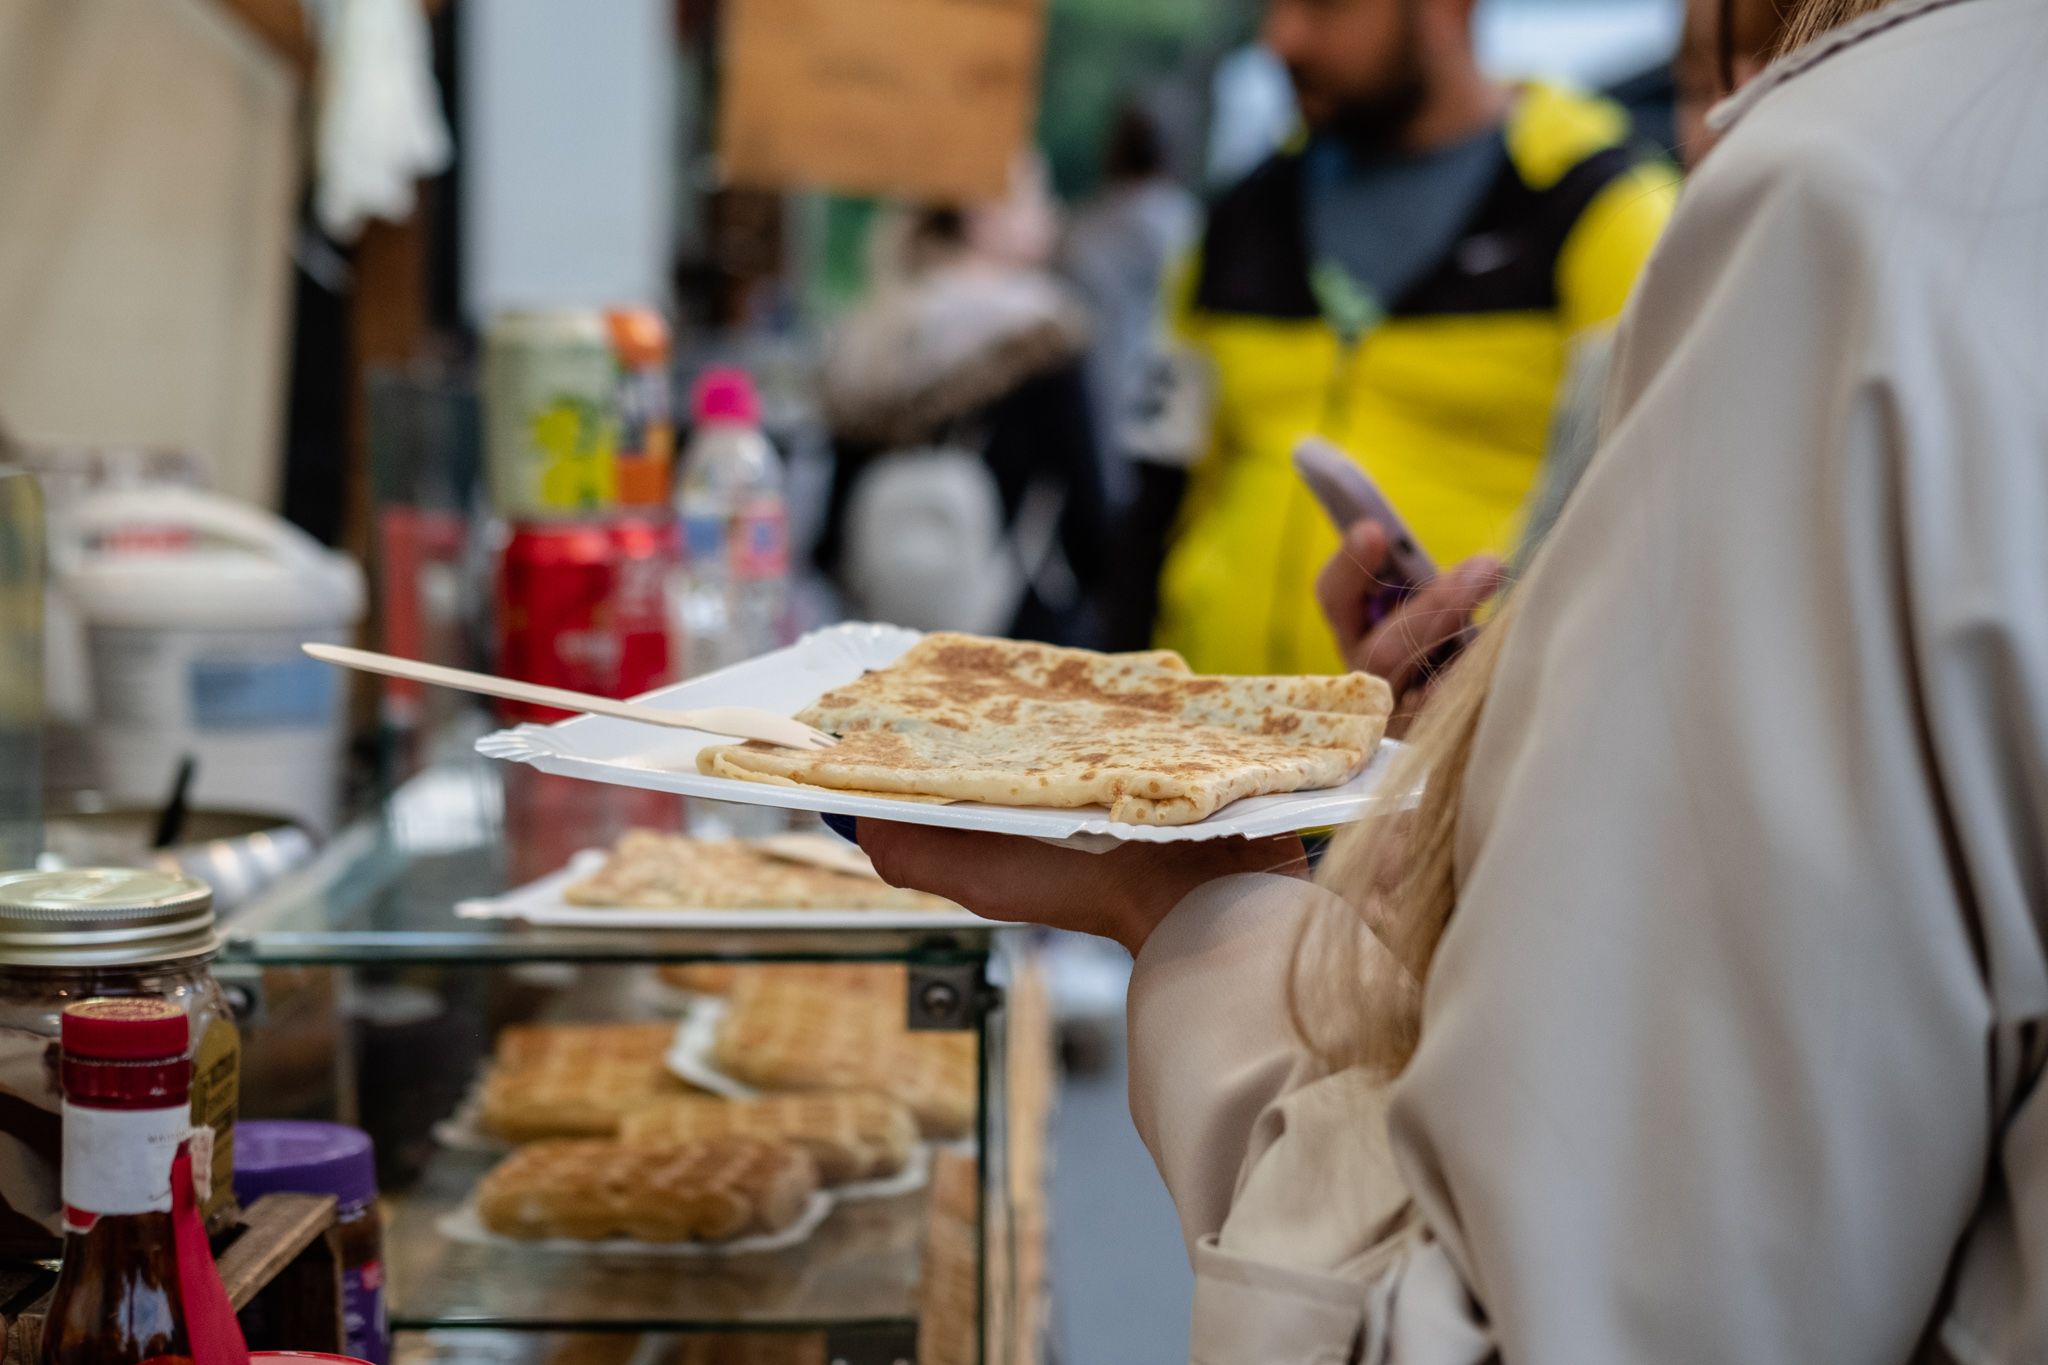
x=600, y=749
x=689, y=1056
x=540, y=902
x=466, y=1225
x=463, y=1130
x=460, y=1132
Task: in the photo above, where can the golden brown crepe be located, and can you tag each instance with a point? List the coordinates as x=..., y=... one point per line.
x=963, y=718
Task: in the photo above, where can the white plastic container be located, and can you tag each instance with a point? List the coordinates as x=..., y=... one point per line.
x=193, y=608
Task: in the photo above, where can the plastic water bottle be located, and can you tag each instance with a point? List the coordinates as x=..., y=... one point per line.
x=732, y=597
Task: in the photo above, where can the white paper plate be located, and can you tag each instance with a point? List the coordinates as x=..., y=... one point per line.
x=914, y=1175
x=540, y=902
x=464, y=1131
x=466, y=1225
x=601, y=749
x=689, y=1056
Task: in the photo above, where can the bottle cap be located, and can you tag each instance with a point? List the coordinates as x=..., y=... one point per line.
x=126, y=1029
x=724, y=393
x=103, y=916
x=296, y=1156
x=639, y=335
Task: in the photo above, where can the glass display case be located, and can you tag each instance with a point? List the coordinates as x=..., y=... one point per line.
x=368, y=1000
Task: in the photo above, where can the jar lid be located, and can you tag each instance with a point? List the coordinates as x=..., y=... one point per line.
x=128, y=1028
x=89, y=917
x=296, y=1156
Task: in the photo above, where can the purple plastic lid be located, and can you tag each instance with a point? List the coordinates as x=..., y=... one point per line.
x=293, y=1156
x=724, y=393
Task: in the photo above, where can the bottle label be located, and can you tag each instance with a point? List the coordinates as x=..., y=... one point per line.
x=760, y=541
x=365, y=1330
x=118, y=1161
x=216, y=1089
x=703, y=536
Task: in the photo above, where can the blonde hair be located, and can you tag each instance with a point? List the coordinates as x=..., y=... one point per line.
x=1395, y=878
x=1812, y=18
x=1354, y=991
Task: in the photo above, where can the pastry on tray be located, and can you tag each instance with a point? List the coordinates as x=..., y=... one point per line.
x=779, y=1035
x=524, y=1045
x=711, y=1190
x=886, y=980
x=574, y=1080
x=852, y=1134
x=649, y=870
x=965, y=718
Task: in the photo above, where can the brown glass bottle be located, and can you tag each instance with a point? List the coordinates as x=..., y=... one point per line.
x=127, y=1107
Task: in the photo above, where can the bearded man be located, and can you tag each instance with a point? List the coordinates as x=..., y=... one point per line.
x=1409, y=278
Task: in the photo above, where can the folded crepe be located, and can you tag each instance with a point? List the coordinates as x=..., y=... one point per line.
x=963, y=718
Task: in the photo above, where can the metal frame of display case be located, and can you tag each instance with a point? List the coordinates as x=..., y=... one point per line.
x=381, y=896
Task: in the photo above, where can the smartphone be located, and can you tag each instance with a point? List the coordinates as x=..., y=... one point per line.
x=1349, y=495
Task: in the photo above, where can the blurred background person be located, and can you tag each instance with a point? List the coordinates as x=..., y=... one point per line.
x=1117, y=252
x=1724, y=44
x=967, y=487
x=1149, y=405
x=1408, y=279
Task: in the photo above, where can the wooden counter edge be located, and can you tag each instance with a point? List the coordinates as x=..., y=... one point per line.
x=278, y=1231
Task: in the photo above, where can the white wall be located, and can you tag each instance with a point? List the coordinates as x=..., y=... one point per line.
x=1591, y=42
x=568, y=140
x=149, y=154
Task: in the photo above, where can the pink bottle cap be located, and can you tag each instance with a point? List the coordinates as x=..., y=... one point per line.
x=724, y=393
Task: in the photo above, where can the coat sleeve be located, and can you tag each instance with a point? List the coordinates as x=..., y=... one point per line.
x=1285, y=1184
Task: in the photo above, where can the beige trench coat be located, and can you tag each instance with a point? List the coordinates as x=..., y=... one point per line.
x=1732, y=1052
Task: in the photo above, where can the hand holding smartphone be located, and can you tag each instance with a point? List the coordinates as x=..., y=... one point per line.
x=1349, y=496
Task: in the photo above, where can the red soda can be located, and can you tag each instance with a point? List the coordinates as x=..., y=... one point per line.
x=581, y=606
x=557, y=588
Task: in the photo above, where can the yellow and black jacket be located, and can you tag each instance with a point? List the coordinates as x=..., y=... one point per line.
x=1446, y=400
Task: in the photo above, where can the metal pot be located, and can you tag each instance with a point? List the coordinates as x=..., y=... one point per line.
x=237, y=853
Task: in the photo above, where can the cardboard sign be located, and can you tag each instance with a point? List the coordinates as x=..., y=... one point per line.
x=921, y=99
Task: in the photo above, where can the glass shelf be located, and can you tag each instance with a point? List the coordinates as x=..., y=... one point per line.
x=860, y=1269
x=382, y=894
x=384, y=889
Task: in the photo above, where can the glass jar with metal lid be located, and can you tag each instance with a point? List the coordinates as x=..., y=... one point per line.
x=72, y=935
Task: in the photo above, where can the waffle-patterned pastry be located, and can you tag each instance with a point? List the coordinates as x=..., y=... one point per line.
x=649, y=870
x=524, y=1045
x=714, y=1190
x=779, y=1036
x=574, y=1080
x=851, y=1134
x=886, y=980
